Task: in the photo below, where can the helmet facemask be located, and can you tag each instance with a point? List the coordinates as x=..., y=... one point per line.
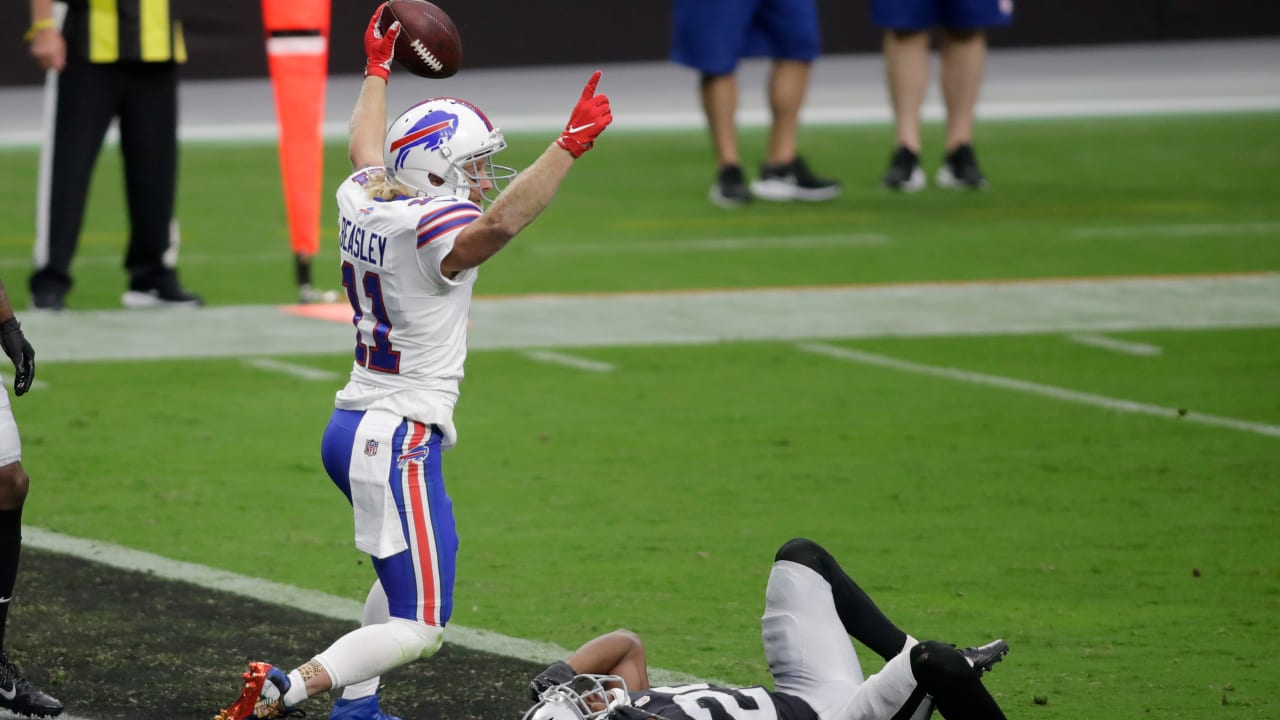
x=586, y=697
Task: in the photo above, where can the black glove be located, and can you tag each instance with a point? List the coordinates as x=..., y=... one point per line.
x=20, y=352
x=557, y=673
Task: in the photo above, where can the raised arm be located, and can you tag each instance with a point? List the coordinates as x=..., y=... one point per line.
x=369, y=117
x=532, y=190
x=617, y=653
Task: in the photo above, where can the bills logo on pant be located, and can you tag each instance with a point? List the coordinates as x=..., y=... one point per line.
x=416, y=455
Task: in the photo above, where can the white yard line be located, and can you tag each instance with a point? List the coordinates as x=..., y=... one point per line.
x=569, y=361
x=312, y=601
x=1179, y=230
x=1033, y=388
x=302, y=372
x=1120, y=346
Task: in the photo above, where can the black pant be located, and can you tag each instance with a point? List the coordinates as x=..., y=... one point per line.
x=144, y=96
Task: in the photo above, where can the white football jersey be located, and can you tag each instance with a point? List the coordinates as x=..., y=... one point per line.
x=410, y=320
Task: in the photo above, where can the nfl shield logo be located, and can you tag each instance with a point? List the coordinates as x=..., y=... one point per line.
x=370, y=447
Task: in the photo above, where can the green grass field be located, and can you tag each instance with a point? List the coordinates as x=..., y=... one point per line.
x=1132, y=562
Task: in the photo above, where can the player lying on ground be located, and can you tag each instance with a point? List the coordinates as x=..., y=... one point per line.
x=412, y=235
x=811, y=609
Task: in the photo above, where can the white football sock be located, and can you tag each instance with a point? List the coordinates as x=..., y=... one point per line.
x=370, y=651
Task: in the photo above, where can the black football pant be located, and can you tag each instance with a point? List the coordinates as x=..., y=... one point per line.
x=144, y=96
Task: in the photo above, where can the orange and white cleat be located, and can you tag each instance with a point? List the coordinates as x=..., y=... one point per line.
x=261, y=695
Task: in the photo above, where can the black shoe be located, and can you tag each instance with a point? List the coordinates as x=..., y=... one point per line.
x=793, y=181
x=168, y=295
x=984, y=657
x=904, y=171
x=49, y=300
x=960, y=170
x=18, y=695
x=730, y=189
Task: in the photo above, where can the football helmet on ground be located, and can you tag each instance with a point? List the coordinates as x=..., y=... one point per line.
x=444, y=147
x=586, y=697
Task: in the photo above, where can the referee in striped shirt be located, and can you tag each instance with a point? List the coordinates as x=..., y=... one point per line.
x=115, y=59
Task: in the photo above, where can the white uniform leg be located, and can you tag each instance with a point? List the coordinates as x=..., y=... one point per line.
x=811, y=656
x=10, y=442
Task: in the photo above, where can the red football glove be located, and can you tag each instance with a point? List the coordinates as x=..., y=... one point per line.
x=590, y=117
x=379, y=48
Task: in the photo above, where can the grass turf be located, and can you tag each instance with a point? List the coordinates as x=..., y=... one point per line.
x=1101, y=197
x=653, y=497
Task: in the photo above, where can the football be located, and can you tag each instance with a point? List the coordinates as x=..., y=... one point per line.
x=429, y=45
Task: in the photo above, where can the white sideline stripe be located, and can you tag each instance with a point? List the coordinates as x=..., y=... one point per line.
x=577, y=363
x=643, y=246
x=6, y=715
x=710, y=244
x=1183, y=230
x=1120, y=346
x=299, y=371
x=755, y=117
x=312, y=601
x=1033, y=388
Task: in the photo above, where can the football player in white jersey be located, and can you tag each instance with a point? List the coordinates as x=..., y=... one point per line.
x=812, y=607
x=17, y=694
x=418, y=214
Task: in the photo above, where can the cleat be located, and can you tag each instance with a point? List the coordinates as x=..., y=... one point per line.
x=49, y=300
x=960, y=170
x=168, y=294
x=904, y=173
x=982, y=658
x=18, y=695
x=793, y=181
x=730, y=190
x=264, y=685
x=365, y=708
x=308, y=295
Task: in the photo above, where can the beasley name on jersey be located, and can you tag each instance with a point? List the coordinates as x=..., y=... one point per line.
x=699, y=701
x=364, y=225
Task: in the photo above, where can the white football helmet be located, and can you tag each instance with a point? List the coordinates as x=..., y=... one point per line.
x=444, y=147
x=586, y=697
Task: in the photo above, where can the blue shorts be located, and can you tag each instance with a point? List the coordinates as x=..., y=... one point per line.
x=713, y=35
x=954, y=14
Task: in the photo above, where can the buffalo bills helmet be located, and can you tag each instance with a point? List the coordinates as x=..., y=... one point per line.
x=444, y=147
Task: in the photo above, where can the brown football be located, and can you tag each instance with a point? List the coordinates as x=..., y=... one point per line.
x=429, y=45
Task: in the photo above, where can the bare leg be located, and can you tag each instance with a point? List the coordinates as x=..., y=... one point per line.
x=788, y=83
x=720, y=103
x=964, y=54
x=906, y=56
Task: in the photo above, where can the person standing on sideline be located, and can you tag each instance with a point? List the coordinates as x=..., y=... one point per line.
x=116, y=60
x=963, y=53
x=17, y=694
x=418, y=215
x=712, y=36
